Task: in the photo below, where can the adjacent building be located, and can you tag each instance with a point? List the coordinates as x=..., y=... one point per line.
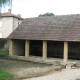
x=8, y=23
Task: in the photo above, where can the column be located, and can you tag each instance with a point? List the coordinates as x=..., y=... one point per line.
x=44, y=49
x=11, y=47
x=26, y=48
x=65, y=51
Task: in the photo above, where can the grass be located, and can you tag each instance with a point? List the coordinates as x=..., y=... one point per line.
x=5, y=75
x=77, y=78
x=4, y=53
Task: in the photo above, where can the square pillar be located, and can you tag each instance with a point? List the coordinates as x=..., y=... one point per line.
x=11, y=47
x=44, y=49
x=26, y=48
x=65, y=51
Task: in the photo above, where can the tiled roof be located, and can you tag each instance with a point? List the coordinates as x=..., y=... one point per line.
x=57, y=28
x=8, y=14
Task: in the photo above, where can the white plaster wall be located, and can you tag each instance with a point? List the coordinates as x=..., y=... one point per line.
x=15, y=22
x=7, y=24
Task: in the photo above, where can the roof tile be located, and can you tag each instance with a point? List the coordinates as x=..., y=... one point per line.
x=57, y=28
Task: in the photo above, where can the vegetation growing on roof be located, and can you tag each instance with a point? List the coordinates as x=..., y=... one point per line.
x=46, y=14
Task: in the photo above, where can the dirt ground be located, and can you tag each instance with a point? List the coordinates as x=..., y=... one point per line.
x=26, y=69
x=22, y=69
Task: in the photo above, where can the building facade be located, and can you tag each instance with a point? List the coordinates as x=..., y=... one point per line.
x=52, y=36
x=8, y=23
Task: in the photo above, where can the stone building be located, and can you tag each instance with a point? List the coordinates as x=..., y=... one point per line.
x=51, y=36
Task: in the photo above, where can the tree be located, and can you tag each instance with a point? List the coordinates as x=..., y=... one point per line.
x=46, y=14
x=4, y=3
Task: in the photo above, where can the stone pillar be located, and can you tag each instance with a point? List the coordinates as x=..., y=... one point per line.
x=26, y=48
x=11, y=47
x=44, y=49
x=65, y=51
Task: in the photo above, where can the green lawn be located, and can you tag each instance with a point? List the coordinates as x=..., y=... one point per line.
x=4, y=53
x=78, y=79
x=5, y=75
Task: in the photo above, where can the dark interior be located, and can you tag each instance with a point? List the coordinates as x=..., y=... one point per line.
x=35, y=48
x=55, y=49
x=74, y=50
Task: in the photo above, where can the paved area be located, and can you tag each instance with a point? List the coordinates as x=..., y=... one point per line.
x=65, y=74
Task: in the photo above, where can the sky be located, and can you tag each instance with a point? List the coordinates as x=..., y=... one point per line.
x=32, y=8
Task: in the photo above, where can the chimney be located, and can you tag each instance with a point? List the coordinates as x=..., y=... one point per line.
x=19, y=15
x=9, y=10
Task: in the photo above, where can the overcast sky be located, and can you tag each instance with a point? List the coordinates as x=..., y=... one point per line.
x=32, y=8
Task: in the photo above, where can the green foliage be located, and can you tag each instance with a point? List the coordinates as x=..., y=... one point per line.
x=5, y=75
x=4, y=53
x=46, y=14
x=5, y=2
x=77, y=78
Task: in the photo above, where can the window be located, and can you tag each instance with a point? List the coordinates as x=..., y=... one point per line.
x=0, y=35
x=18, y=23
x=0, y=23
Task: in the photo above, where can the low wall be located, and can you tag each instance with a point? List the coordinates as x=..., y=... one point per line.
x=4, y=44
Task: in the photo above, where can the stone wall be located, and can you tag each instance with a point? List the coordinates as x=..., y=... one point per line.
x=4, y=44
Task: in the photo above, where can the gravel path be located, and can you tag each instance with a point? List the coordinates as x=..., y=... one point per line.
x=65, y=74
